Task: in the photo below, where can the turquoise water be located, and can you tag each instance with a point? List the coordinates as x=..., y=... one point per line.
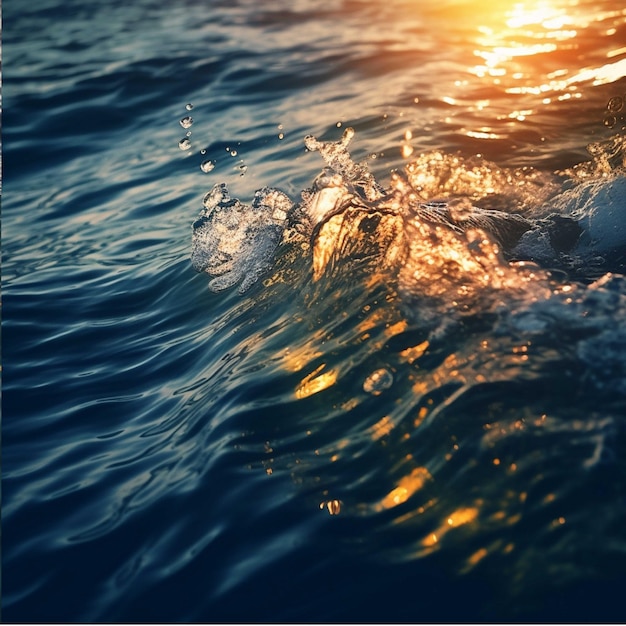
x=172, y=454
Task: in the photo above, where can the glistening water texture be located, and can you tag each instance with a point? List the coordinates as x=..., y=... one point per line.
x=396, y=419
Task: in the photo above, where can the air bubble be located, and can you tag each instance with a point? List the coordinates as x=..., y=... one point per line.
x=184, y=143
x=610, y=121
x=207, y=166
x=189, y=106
x=615, y=104
x=378, y=381
x=186, y=122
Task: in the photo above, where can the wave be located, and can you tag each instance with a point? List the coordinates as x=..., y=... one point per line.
x=459, y=371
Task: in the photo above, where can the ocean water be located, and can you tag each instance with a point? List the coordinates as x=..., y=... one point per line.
x=350, y=447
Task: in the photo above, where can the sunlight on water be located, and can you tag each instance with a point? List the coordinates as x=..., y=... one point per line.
x=315, y=382
x=455, y=519
x=515, y=42
x=406, y=488
x=543, y=51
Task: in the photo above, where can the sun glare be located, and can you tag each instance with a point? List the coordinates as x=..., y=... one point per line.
x=529, y=29
x=541, y=14
x=542, y=48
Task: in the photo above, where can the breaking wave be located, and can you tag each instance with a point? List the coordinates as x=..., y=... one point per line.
x=460, y=369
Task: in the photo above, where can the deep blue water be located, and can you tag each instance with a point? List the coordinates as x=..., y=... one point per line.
x=174, y=454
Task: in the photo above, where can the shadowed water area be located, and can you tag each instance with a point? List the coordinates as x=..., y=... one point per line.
x=313, y=311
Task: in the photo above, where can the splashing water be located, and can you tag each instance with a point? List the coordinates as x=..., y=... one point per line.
x=446, y=251
x=235, y=242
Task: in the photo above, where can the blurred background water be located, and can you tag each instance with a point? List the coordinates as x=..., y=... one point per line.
x=172, y=454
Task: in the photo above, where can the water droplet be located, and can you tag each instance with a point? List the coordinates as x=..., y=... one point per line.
x=203, y=151
x=233, y=153
x=243, y=169
x=378, y=381
x=615, y=104
x=338, y=124
x=610, y=121
x=188, y=133
x=189, y=106
x=281, y=136
x=184, y=143
x=333, y=506
x=186, y=122
x=207, y=166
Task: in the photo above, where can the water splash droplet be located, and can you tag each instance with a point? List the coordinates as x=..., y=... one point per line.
x=207, y=166
x=615, y=104
x=332, y=506
x=378, y=381
x=184, y=143
x=189, y=106
x=610, y=121
x=407, y=150
x=233, y=153
x=186, y=122
x=203, y=151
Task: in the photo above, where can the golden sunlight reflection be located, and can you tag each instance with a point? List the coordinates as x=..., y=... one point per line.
x=315, y=382
x=412, y=353
x=545, y=48
x=407, y=486
x=294, y=359
x=455, y=519
x=382, y=427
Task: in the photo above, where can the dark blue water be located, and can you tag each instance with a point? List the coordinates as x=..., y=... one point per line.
x=174, y=454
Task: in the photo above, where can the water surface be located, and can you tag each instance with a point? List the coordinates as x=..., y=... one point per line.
x=175, y=454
